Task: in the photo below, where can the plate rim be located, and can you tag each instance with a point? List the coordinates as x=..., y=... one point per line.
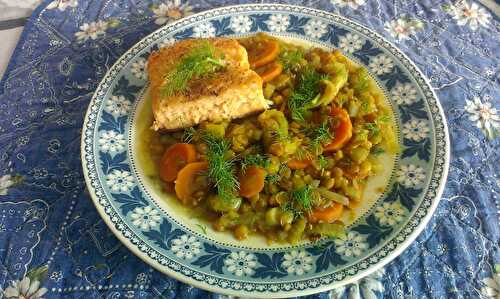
x=268, y=294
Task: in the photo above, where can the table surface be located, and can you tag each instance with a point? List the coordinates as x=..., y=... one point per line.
x=52, y=241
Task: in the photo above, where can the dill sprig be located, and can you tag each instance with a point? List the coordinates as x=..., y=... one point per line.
x=276, y=177
x=319, y=135
x=307, y=90
x=301, y=201
x=362, y=82
x=203, y=228
x=198, y=62
x=303, y=197
x=257, y=160
x=273, y=178
x=303, y=153
x=322, y=162
x=221, y=171
x=384, y=118
x=373, y=128
x=291, y=59
x=188, y=135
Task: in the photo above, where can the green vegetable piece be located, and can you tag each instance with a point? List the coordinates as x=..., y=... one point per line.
x=333, y=86
x=332, y=230
x=333, y=196
x=272, y=216
x=274, y=124
x=361, y=79
x=216, y=130
x=268, y=90
x=219, y=205
x=359, y=154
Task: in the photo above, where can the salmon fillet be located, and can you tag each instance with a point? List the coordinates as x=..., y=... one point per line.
x=232, y=92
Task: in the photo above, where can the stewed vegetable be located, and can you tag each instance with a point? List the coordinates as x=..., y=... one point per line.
x=291, y=172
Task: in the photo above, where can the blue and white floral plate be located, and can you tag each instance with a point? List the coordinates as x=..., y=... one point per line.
x=161, y=233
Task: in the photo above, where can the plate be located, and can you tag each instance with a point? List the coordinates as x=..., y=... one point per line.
x=159, y=232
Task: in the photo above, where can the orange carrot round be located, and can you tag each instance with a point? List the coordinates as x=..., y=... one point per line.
x=270, y=71
x=298, y=164
x=328, y=214
x=186, y=180
x=252, y=181
x=342, y=129
x=174, y=159
x=265, y=52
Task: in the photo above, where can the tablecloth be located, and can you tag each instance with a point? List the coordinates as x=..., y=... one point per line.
x=53, y=243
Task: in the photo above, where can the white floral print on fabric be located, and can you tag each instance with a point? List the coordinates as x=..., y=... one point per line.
x=25, y=289
x=241, y=24
x=465, y=13
x=415, y=129
x=56, y=276
x=92, y=30
x=381, y=64
x=278, y=22
x=186, y=247
x=404, y=94
x=363, y=288
x=354, y=4
x=410, y=175
x=112, y=142
x=484, y=116
x=352, y=244
x=491, y=287
x=120, y=180
x=6, y=181
x=403, y=27
x=118, y=106
x=141, y=278
x=241, y=263
x=145, y=217
x=390, y=213
x=62, y=4
x=204, y=30
x=139, y=69
x=171, y=11
x=350, y=43
x=315, y=28
x=297, y=262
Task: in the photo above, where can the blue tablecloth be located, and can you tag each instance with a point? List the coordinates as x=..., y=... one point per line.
x=54, y=244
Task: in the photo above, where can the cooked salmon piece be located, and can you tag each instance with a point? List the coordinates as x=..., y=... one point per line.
x=232, y=92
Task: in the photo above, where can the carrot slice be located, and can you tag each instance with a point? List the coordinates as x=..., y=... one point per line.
x=270, y=71
x=342, y=130
x=298, y=164
x=186, y=180
x=174, y=159
x=264, y=52
x=252, y=181
x=327, y=215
